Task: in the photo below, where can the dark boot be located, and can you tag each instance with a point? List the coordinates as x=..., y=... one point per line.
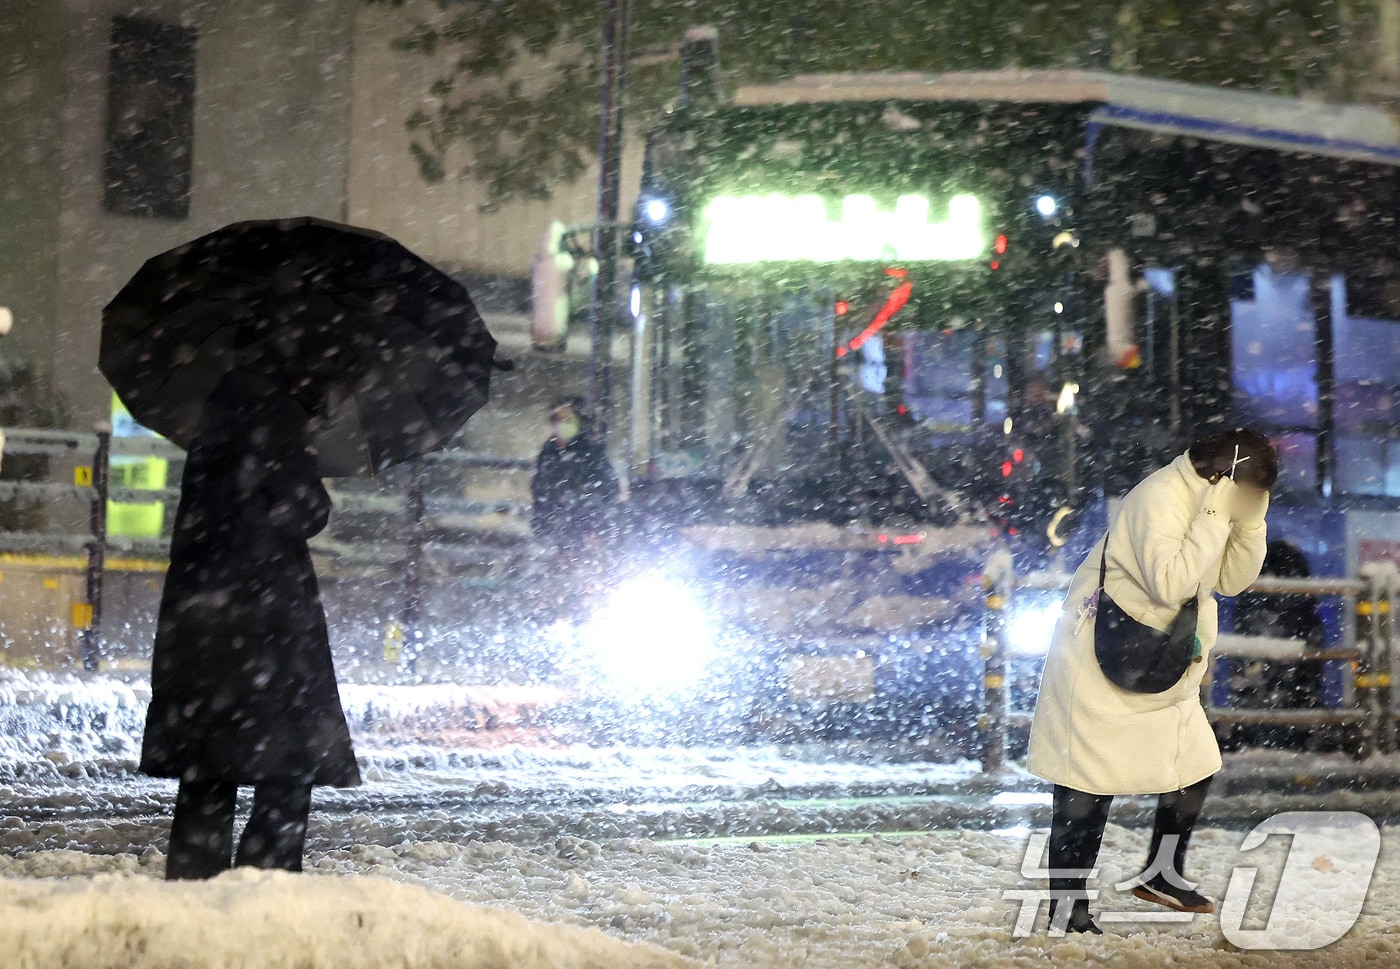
x=276, y=831
x=1076, y=832
x=1076, y=919
x=1162, y=880
x=201, y=832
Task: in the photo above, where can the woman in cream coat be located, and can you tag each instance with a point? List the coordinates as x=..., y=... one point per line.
x=1193, y=528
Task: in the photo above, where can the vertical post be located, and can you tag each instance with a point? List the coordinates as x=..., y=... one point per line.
x=997, y=582
x=97, y=550
x=1384, y=661
x=1365, y=681
x=642, y=442
x=605, y=244
x=412, y=583
x=1322, y=309
x=1206, y=354
x=1174, y=343
x=1387, y=64
x=978, y=379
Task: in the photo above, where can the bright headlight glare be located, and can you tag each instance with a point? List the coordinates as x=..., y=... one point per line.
x=1031, y=629
x=652, y=636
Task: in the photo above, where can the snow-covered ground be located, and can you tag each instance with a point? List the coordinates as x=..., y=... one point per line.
x=604, y=839
x=932, y=900
x=271, y=920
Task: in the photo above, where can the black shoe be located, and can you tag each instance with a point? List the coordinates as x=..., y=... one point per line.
x=1159, y=890
x=1083, y=923
x=1079, y=920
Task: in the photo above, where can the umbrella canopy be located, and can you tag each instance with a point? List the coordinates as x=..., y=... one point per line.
x=387, y=351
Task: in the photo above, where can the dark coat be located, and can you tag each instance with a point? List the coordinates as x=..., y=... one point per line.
x=574, y=491
x=243, y=687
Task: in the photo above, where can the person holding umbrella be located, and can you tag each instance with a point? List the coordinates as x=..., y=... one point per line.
x=243, y=687
x=1119, y=707
x=277, y=353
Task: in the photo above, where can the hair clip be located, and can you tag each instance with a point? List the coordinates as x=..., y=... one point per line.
x=1237, y=460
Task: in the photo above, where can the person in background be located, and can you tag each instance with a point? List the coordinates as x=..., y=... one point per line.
x=1279, y=684
x=1189, y=530
x=574, y=489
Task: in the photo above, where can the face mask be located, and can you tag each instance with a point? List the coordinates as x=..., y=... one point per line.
x=568, y=429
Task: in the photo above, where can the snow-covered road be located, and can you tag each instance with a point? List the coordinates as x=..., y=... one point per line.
x=671, y=847
x=930, y=900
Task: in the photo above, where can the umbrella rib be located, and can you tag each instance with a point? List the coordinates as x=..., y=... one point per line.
x=172, y=371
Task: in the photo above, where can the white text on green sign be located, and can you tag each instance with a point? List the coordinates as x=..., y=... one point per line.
x=782, y=228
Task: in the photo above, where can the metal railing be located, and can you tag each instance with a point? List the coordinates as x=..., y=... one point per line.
x=91, y=456
x=1368, y=655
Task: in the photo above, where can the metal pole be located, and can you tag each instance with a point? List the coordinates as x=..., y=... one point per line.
x=604, y=310
x=1322, y=299
x=1364, y=683
x=997, y=581
x=1384, y=664
x=1388, y=42
x=97, y=550
x=412, y=583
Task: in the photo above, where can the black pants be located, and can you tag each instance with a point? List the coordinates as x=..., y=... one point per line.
x=1076, y=833
x=201, y=834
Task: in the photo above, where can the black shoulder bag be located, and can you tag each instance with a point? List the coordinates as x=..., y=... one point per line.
x=1135, y=656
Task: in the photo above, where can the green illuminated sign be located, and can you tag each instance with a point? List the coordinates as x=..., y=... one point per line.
x=135, y=519
x=782, y=228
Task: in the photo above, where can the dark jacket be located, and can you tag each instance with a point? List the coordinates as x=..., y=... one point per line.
x=574, y=491
x=243, y=687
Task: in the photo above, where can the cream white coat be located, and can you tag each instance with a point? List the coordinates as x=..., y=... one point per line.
x=1094, y=736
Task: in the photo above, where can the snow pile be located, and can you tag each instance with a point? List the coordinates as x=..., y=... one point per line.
x=270, y=920
x=87, y=726
x=933, y=900
x=70, y=725
x=446, y=710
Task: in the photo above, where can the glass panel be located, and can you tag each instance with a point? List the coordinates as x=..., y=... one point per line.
x=1274, y=361
x=1367, y=370
x=1274, y=357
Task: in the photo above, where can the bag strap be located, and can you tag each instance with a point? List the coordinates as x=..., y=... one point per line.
x=1103, y=561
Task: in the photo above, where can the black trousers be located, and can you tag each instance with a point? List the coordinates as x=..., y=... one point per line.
x=201, y=834
x=1076, y=833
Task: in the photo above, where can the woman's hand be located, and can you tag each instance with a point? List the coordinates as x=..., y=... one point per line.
x=1220, y=498
x=1250, y=507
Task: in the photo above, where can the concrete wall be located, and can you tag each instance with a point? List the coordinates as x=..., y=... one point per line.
x=442, y=221
x=271, y=106
x=32, y=45
x=299, y=109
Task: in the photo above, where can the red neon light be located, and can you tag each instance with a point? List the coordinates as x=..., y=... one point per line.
x=883, y=539
x=995, y=264
x=1000, y=246
x=896, y=273
x=908, y=539
x=842, y=307
x=1017, y=455
x=893, y=305
x=1006, y=470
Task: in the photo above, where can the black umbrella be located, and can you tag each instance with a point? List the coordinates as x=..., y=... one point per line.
x=388, y=351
